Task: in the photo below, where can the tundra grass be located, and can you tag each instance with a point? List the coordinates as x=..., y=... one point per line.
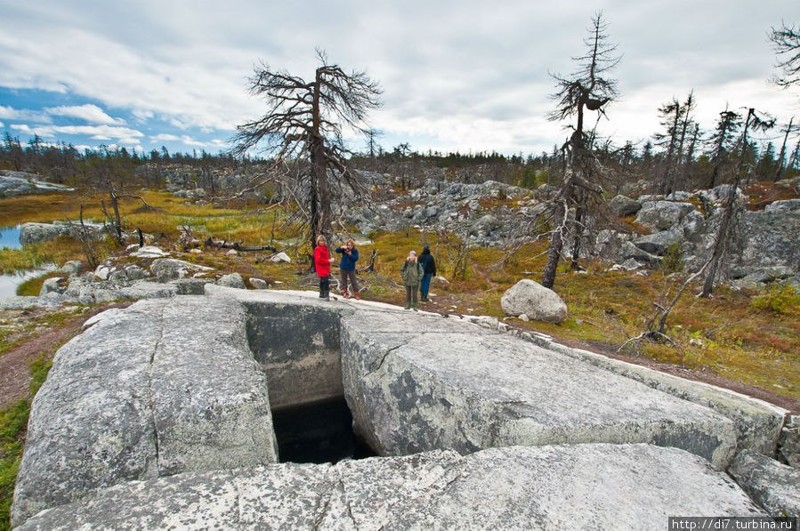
x=725, y=334
x=13, y=425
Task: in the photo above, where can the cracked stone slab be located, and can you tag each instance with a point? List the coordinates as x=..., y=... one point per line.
x=164, y=386
x=592, y=486
x=773, y=485
x=417, y=384
x=758, y=423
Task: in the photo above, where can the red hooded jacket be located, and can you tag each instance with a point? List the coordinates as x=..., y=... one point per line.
x=322, y=261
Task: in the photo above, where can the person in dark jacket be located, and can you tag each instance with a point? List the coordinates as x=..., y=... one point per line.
x=347, y=267
x=428, y=265
x=411, y=273
x=322, y=265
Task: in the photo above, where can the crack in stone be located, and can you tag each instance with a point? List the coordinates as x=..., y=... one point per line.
x=320, y=519
x=383, y=359
x=150, y=387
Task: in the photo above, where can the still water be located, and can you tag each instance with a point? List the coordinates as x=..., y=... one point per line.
x=9, y=239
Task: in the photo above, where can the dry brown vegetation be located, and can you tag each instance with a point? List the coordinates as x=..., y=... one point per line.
x=726, y=336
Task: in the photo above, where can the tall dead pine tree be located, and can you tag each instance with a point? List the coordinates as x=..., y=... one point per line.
x=588, y=89
x=304, y=123
x=752, y=122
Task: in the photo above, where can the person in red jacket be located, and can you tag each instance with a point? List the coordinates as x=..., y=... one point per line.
x=322, y=264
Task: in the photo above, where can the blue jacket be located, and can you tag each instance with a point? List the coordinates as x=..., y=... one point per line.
x=348, y=262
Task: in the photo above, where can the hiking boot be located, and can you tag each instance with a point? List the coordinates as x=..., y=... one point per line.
x=357, y=295
x=345, y=293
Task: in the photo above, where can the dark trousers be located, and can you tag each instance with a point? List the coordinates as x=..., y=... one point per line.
x=351, y=276
x=411, y=295
x=324, y=287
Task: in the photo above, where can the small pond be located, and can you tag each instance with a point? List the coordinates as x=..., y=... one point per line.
x=9, y=238
x=9, y=283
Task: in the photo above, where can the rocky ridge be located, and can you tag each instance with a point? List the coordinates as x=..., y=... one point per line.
x=530, y=452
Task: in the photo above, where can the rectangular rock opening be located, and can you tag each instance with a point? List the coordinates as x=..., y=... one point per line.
x=321, y=432
x=299, y=348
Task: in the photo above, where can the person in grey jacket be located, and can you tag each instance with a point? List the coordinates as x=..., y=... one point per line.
x=411, y=273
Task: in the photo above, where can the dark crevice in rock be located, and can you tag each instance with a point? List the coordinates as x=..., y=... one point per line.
x=383, y=359
x=153, y=353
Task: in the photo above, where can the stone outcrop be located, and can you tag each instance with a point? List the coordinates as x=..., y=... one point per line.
x=764, y=249
x=40, y=232
x=148, y=402
x=13, y=183
x=592, y=486
x=530, y=298
x=442, y=384
x=143, y=393
x=774, y=486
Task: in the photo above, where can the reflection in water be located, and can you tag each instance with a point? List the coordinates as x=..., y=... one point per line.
x=9, y=237
x=9, y=283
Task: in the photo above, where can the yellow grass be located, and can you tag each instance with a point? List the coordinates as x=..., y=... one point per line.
x=726, y=334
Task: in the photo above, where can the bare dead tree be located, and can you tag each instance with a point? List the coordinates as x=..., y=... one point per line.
x=304, y=124
x=722, y=141
x=753, y=121
x=656, y=327
x=586, y=90
x=786, y=42
x=782, y=156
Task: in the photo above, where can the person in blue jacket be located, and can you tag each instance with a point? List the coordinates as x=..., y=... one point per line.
x=428, y=265
x=347, y=267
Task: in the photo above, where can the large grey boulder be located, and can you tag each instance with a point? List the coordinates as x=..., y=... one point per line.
x=768, y=239
x=534, y=300
x=758, y=423
x=556, y=487
x=774, y=486
x=40, y=232
x=175, y=430
x=149, y=391
x=658, y=242
x=166, y=269
x=421, y=383
x=662, y=215
x=13, y=183
x=624, y=206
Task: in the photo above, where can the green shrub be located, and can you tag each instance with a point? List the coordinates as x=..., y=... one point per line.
x=673, y=259
x=13, y=422
x=781, y=298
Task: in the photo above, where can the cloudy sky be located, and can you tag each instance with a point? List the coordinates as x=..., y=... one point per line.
x=456, y=75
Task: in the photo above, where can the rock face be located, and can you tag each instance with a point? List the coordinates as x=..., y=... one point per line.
x=39, y=232
x=534, y=300
x=13, y=183
x=776, y=487
x=454, y=387
x=150, y=419
x=145, y=393
x=764, y=248
x=553, y=487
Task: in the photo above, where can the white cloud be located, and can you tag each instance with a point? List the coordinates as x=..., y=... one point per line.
x=88, y=113
x=467, y=73
x=122, y=135
x=9, y=113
